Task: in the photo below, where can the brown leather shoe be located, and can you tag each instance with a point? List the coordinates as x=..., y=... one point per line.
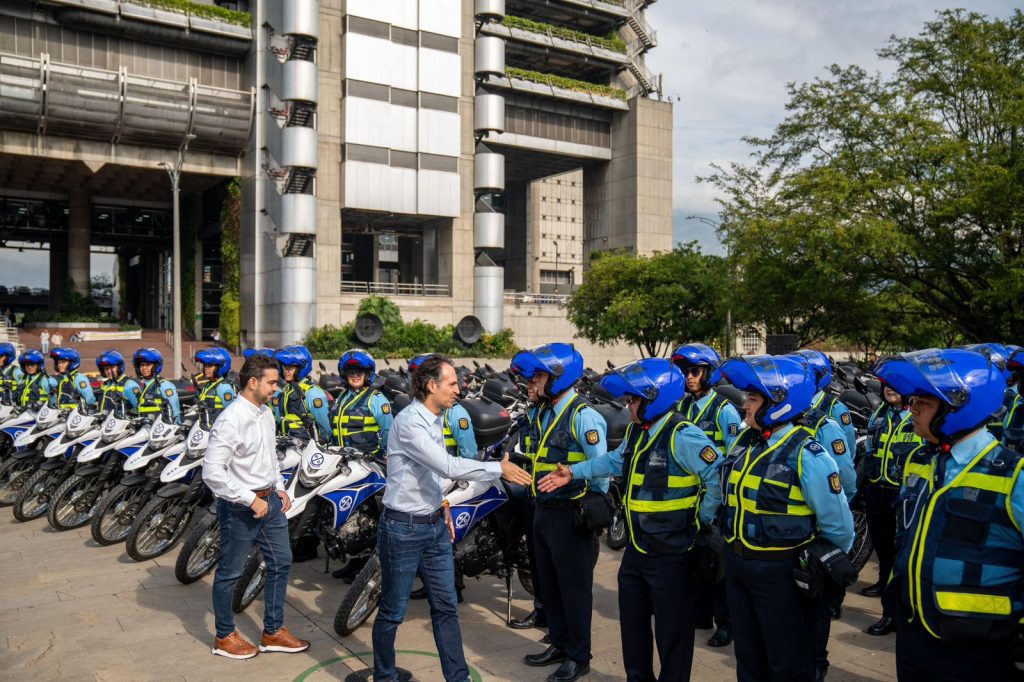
x=283, y=641
x=234, y=646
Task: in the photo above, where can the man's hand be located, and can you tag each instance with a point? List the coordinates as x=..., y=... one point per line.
x=286, y=502
x=448, y=522
x=556, y=479
x=259, y=507
x=513, y=473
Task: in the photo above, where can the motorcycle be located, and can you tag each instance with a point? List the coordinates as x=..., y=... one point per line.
x=28, y=452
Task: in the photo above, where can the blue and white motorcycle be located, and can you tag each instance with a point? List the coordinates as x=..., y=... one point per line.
x=27, y=454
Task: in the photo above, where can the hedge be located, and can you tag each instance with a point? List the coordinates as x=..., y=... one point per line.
x=565, y=83
x=611, y=42
x=206, y=11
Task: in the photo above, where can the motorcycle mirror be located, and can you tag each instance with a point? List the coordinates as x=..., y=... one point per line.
x=476, y=364
x=609, y=363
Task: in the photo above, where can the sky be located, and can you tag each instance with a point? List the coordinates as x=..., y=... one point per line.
x=728, y=64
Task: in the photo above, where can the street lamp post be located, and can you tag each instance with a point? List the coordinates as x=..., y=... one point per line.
x=174, y=172
x=728, y=312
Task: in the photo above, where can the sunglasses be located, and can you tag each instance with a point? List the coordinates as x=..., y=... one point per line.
x=693, y=371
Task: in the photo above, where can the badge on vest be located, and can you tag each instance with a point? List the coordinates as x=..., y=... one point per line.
x=834, y=484
x=734, y=429
x=463, y=423
x=846, y=418
x=839, y=447
x=593, y=437
x=386, y=408
x=318, y=402
x=708, y=454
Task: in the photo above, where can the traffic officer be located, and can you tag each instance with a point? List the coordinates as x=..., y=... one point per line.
x=958, y=579
x=299, y=396
x=782, y=492
x=671, y=471
x=217, y=391
x=156, y=391
x=72, y=386
x=35, y=385
x=361, y=415
x=563, y=429
x=999, y=355
x=717, y=417
x=459, y=438
x=116, y=386
x=249, y=352
x=821, y=365
x=891, y=438
x=1013, y=425
x=10, y=373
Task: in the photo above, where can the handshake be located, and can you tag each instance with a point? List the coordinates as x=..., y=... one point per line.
x=513, y=473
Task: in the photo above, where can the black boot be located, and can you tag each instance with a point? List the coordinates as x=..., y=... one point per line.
x=722, y=637
x=884, y=626
x=536, y=619
x=875, y=590
x=569, y=671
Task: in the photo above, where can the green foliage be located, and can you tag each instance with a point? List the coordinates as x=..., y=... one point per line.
x=205, y=11
x=231, y=225
x=230, y=316
x=651, y=302
x=565, y=83
x=610, y=42
x=77, y=304
x=890, y=211
x=405, y=339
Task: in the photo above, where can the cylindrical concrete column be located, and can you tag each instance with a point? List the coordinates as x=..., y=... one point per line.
x=79, y=239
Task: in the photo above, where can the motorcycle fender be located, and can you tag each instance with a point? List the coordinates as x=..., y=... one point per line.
x=25, y=454
x=51, y=464
x=88, y=469
x=137, y=478
x=173, y=490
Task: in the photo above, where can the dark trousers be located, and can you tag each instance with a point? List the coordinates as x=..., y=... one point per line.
x=881, y=516
x=565, y=565
x=712, y=604
x=662, y=587
x=523, y=503
x=772, y=622
x=923, y=658
x=832, y=596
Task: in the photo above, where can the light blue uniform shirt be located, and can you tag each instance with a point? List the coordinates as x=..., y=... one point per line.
x=418, y=463
x=728, y=419
x=84, y=389
x=688, y=443
x=841, y=414
x=903, y=413
x=316, y=403
x=465, y=438
x=587, y=420
x=830, y=437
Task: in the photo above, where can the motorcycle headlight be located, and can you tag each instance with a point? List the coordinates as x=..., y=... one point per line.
x=310, y=480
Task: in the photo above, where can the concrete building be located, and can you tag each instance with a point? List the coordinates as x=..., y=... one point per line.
x=464, y=157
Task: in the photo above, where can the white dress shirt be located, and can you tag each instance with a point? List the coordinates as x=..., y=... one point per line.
x=419, y=465
x=242, y=455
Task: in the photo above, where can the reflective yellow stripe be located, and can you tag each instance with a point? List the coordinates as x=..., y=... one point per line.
x=994, y=605
x=673, y=481
x=574, y=458
x=542, y=450
x=631, y=504
x=654, y=507
x=996, y=484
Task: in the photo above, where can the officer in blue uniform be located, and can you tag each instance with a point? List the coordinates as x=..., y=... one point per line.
x=999, y=355
x=10, y=373
x=782, y=492
x=459, y=438
x=155, y=390
x=958, y=579
x=361, y=416
x=717, y=417
x=116, y=386
x=1013, y=424
x=299, y=396
x=249, y=352
x=821, y=365
x=35, y=385
x=72, y=386
x=217, y=391
x=891, y=438
x=671, y=469
x=563, y=429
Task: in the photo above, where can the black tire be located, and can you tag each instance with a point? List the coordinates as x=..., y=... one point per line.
x=199, y=552
x=113, y=521
x=250, y=584
x=617, y=535
x=148, y=537
x=362, y=598
x=63, y=512
x=13, y=475
x=862, y=545
x=28, y=505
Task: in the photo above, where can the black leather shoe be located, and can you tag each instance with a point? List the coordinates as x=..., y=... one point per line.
x=546, y=639
x=875, y=590
x=722, y=637
x=536, y=619
x=349, y=571
x=569, y=671
x=550, y=656
x=884, y=626
x=421, y=593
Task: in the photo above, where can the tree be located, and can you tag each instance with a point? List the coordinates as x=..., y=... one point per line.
x=651, y=302
x=887, y=198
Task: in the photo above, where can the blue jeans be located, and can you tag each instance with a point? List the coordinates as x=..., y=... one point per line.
x=239, y=531
x=405, y=550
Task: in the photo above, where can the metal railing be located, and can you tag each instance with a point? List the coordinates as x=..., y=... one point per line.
x=527, y=298
x=395, y=289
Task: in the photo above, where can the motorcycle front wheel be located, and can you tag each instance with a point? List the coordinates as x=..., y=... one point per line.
x=250, y=584
x=362, y=598
x=199, y=552
x=152, y=534
x=114, y=515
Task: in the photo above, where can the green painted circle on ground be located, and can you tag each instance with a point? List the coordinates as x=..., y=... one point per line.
x=473, y=674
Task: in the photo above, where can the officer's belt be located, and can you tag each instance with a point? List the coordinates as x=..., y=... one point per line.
x=764, y=555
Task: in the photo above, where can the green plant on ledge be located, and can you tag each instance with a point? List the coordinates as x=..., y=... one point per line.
x=205, y=11
x=566, y=83
x=610, y=42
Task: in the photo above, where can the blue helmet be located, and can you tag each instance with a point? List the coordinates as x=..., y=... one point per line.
x=295, y=356
x=418, y=360
x=69, y=354
x=216, y=356
x=1015, y=362
x=699, y=355
x=148, y=355
x=561, y=360
x=657, y=381
x=996, y=352
x=357, y=358
x=110, y=358
x=31, y=356
x=249, y=352
x=8, y=351
x=820, y=365
x=968, y=385
x=786, y=384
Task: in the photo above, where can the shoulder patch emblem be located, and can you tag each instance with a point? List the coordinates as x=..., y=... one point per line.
x=276, y=401
x=709, y=454
x=814, y=447
x=846, y=418
x=83, y=384
x=839, y=446
x=386, y=408
x=834, y=484
x=734, y=429
x=463, y=423
x=169, y=392
x=593, y=437
x=228, y=396
x=318, y=402
x=136, y=390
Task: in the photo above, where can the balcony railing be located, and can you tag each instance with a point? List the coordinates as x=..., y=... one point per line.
x=526, y=298
x=395, y=289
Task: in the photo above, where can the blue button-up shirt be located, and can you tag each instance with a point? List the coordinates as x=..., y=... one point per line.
x=418, y=463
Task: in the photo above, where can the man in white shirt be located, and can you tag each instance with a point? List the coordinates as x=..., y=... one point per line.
x=241, y=469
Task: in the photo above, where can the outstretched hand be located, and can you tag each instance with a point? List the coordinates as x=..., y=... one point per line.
x=513, y=473
x=561, y=476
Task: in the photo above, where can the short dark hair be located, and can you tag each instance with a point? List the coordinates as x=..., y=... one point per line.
x=428, y=370
x=254, y=367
